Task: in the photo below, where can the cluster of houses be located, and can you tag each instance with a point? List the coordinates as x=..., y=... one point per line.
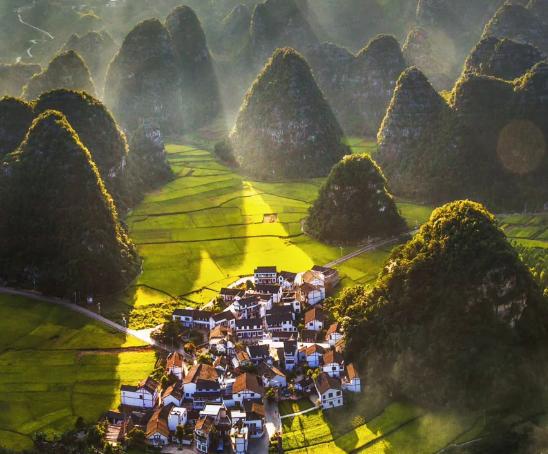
x=272, y=341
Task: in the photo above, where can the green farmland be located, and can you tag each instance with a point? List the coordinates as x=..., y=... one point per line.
x=210, y=226
x=398, y=428
x=58, y=366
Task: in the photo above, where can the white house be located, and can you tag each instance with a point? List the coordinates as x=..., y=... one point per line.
x=333, y=334
x=157, y=430
x=144, y=395
x=329, y=391
x=225, y=318
x=201, y=379
x=184, y=316
x=246, y=387
x=265, y=275
x=272, y=291
x=271, y=376
x=255, y=418
x=280, y=322
x=315, y=319
x=249, y=328
x=333, y=363
x=311, y=294
x=230, y=294
x=175, y=365
x=177, y=417
x=351, y=380
x=173, y=395
x=286, y=279
x=312, y=355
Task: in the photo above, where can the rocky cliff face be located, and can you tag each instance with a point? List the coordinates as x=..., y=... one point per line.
x=66, y=70
x=358, y=87
x=140, y=80
x=13, y=77
x=63, y=234
x=520, y=24
x=505, y=59
x=353, y=204
x=198, y=82
x=97, y=50
x=487, y=143
x=285, y=128
x=15, y=118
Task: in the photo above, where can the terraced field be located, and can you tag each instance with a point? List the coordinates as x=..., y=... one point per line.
x=528, y=230
x=210, y=226
x=57, y=366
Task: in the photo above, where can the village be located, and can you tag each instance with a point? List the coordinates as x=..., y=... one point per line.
x=272, y=342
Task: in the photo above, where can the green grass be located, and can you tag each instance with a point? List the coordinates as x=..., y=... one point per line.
x=57, y=366
x=207, y=227
x=399, y=428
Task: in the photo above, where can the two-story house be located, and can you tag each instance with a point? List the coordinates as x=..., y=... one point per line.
x=144, y=395
x=329, y=391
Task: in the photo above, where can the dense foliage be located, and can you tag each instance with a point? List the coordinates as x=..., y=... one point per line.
x=60, y=232
x=505, y=59
x=353, y=204
x=141, y=79
x=491, y=131
x=199, y=85
x=98, y=132
x=66, y=70
x=455, y=318
x=285, y=128
x=15, y=118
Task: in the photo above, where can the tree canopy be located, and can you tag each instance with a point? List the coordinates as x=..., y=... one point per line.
x=353, y=204
x=455, y=318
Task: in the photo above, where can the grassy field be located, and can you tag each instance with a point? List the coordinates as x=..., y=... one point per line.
x=399, y=428
x=528, y=230
x=288, y=407
x=210, y=226
x=57, y=366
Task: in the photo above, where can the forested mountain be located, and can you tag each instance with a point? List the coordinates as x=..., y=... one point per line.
x=353, y=204
x=454, y=320
x=201, y=102
x=285, y=128
x=141, y=79
x=61, y=233
x=66, y=70
x=490, y=130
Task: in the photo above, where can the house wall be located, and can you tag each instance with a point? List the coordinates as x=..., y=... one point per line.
x=330, y=399
x=141, y=399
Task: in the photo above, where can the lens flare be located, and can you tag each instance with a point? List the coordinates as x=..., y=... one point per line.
x=521, y=147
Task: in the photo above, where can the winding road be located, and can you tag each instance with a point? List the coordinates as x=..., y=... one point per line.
x=34, y=42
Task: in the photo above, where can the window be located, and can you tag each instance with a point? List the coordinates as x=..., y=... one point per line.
x=330, y=395
x=334, y=368
x=338, y=393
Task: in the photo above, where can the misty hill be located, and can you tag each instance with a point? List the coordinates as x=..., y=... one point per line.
x=15, y=117
x=100, y=135
x=279, y=23
x=13, y=77
x=420, y=51
x=358, y=87
x=519, y=23
x=66, y=70
x=504, y=58
x=141, y=79
x=487, y=142
x=234, y=29
x=353, y=204
x=97, y=50
x=285, y=128
x=63, y=234
x=199, y=85
x=454, y=319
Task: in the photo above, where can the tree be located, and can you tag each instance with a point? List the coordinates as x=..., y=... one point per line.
x=136, y=438
x=205, y=358
x=180, y=433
